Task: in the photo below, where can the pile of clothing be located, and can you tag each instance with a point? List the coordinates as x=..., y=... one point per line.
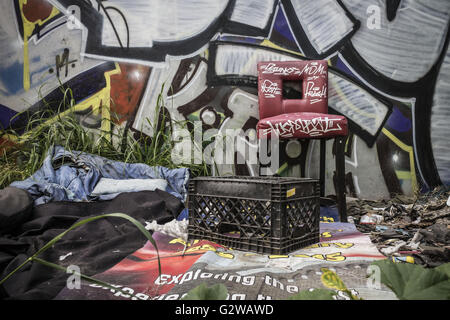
x=72, y=186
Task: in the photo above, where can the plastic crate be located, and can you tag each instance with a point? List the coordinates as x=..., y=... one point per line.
x=270, y=215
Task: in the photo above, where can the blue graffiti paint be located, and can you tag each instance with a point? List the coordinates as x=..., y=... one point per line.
x=12, y=79
x=83, y=86
x=36, y=59
x=6, y=115
x=89, y=82
x=398, y=122
x=327, y=212
x=343, y=67
x=40, y=76
x=239, y=39
x=281, y=25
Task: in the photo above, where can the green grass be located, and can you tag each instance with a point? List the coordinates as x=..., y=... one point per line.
x=48, y=128
x=121, y=144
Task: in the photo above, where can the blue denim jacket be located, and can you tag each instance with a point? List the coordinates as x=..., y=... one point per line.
x=72, y=175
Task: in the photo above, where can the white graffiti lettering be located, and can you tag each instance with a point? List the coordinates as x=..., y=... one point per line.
x=313, y=101
x=311, y=69
x=274, y=69
x=313, y=127
x=270, y=89
x=315, y=92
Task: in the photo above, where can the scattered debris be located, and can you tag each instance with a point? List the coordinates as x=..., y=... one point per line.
x=173, y=228
x=371, y=219
x=411, y=229
x=61, y=258
x=390, y=250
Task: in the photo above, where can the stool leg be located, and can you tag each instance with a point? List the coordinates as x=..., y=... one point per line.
x=340, y=175
x=323, y=151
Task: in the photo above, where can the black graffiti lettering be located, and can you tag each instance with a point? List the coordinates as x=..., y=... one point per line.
x=62, y=61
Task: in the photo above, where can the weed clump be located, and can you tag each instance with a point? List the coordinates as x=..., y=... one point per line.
x=23, y=150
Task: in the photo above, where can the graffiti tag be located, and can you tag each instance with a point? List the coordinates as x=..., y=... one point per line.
x=270, y=89
x=310, y=69
x=315, y=92
x=314, y=127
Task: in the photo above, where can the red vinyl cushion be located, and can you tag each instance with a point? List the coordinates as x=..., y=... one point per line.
x=313, y=75
x=303, y=125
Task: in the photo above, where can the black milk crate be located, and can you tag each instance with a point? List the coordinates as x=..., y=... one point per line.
x=273, y=215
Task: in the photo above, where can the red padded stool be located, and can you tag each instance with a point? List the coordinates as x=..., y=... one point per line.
x=305, y=118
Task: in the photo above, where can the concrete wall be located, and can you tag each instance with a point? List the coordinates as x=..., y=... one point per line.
x=389, y=73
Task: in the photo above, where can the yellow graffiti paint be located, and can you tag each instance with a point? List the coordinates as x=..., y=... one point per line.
x=347, y=144
x=282, y=168
x=410, y=151
x=270, y=44
x=100, y=103
x=28, y=28
x=325, y=235
x=403, y=175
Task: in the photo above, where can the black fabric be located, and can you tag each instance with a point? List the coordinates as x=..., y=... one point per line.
x=391, y=9
x=15, y=208
x=94, y=247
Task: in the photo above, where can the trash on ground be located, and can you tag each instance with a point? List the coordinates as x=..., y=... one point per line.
x=418, y=227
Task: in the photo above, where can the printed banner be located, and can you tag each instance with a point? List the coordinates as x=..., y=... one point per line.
x=247, y=276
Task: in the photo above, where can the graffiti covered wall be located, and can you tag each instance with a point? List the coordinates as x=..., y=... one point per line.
x=389, y=74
